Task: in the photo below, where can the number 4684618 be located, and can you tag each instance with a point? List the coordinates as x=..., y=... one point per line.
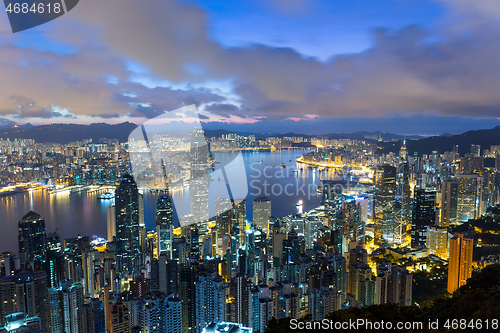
x=35, y=8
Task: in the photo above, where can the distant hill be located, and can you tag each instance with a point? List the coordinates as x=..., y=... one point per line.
x=485, y=138
x=64, y=133
x=372, y=136
x=5, y=123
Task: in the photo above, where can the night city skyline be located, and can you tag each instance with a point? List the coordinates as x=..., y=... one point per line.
x=253, y=166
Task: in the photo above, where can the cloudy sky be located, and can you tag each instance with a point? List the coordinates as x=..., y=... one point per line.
x=404, y=66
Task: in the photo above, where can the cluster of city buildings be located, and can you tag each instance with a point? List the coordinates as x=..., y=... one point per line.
x=232, y=274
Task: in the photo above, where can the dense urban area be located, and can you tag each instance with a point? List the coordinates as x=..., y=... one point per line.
x=393, y=229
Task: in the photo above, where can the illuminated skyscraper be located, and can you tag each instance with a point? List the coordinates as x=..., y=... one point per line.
x=295, y=221
x=25, y=292
x=210, y=300
x=164, y=224
x=199, y=176
x=469, y=165
x=393, y=284
x=403, y=153
x=93, y=314
x=292, y=247
x=449, y=202
x=313, y=225
x=262, y=213
x=239, y=218
x=111, y=222
x=223, y=211
x=475, y=150
x=119, y=315
x=127, y=225
x=66, y=308
x=402, y=204
x=360, y=282
x=424, y=214
x=32, y=238
x=469, y=197
x=187, y=294
x=349, y=225
x=436, y=241
x=385, y=197
x=460, y=261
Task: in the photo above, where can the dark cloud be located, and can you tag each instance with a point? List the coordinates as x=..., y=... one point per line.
x=223, y=109
x=404, y=72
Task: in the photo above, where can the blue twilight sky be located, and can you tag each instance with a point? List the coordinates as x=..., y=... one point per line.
x=404, y=66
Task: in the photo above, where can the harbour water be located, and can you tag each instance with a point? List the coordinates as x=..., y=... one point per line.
x=82, y=213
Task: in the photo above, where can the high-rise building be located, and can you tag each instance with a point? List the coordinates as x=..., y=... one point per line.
x=296, y=221
x=223, y=211
x=449, y=202
x=239, y=218
x=329, y=271
x=469, y=165
x=128, y=249
x=385, y=197
x=93, y=317
x=331, y=199
x=456, y=154
x=313, y=225
x=469, y=197
x=210, y=300
x=111, y=222
x=424, y=215
x=393, y=285
x=25, y=292
x=261, y=307
x=164, y=275
x=262, y=213
x=292, y=248
x=200, y=178
x=360, y=277
x=350, y=229
x=403, y=199
x=119, y=316
x=54, y=260
x=240, y=289
x=160, y=313
x=66, y=307
x=475, y=150
x=10, y=263
x=437, y=241
x=187, y=294
x=32, y=239
x=277, y=236
x=322, y=301
x=164, y=224
x=460, y=261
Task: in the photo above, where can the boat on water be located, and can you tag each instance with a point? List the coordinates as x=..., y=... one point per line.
x=106, y=196
x=283, y=165
x=11, y=193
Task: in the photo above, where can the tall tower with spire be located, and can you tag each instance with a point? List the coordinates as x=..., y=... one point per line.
x=200, y=178
x=403, y=153
x=164, y=218
x=403, y=199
